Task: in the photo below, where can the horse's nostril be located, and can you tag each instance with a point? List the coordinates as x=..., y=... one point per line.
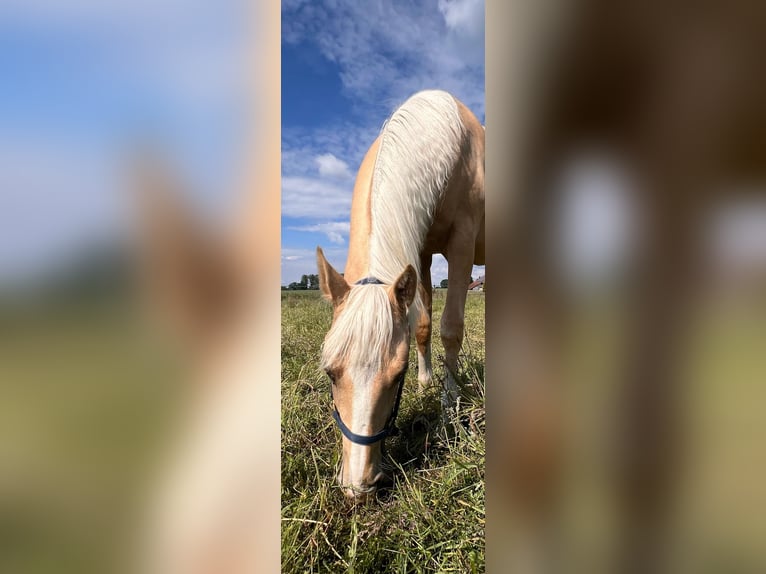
x=357, y=494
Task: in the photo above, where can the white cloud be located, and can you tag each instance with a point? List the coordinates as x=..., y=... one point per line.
x=317, y=181
x=347, y=142
x=334, y=230
x=314, y=198
x=463, y=16
x=387, y=51
x=465, y=38
x=332, y=167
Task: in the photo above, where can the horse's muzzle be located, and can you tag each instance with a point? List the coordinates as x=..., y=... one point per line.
x=360, y=493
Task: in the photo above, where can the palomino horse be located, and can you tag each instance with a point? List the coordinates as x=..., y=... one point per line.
x=419, y=191
x=675, y=91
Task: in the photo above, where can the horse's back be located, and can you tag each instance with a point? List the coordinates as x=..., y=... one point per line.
x=461, y=208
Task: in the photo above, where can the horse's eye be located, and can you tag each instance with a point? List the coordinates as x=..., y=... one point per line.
x=331, y=375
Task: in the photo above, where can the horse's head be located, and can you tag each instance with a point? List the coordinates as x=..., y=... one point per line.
x=365, y=354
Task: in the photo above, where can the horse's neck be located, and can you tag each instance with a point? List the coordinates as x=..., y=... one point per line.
x=358, y=262
x=361, y=240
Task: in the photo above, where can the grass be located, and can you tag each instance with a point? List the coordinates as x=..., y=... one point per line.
x=432, y=519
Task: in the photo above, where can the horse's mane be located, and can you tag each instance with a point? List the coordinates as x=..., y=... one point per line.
x=420, y=144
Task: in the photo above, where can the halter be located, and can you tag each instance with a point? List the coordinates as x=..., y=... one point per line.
x=369, y=281
x=390, y=428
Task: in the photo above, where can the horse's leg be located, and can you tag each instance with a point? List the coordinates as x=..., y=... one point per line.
x=423, y=330
x=460, y=257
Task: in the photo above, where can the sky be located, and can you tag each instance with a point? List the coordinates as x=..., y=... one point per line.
x=82, y=82
x=346, y=66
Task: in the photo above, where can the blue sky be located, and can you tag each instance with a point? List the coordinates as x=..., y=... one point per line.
x=82, y=80
x=346, y=65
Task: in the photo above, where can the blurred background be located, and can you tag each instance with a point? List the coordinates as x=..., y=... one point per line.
x=681, y=78
x=89, y=392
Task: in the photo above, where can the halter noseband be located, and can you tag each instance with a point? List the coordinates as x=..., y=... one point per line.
x=390, y=428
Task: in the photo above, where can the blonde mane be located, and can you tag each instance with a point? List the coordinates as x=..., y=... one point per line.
x=420, y=145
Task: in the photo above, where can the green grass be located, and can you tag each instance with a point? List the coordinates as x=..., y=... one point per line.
x=432, y=519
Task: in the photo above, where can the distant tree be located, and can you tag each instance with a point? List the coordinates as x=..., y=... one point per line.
x=443, y=284
x=313, y=281
x=304, y=282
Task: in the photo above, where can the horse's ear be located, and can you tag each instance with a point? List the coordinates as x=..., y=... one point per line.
x=331, y=283
x=403, y=289
x=189, y=279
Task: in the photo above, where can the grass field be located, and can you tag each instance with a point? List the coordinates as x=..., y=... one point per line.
x=432, y=519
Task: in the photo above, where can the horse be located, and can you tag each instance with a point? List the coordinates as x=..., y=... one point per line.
x=675, y=92
x=419, y=191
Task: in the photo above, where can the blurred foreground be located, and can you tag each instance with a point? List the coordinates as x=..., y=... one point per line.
x=112, y=453
x=627, y=148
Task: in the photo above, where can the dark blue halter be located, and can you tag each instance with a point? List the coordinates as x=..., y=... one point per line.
x=390, y=428
x=369, y=281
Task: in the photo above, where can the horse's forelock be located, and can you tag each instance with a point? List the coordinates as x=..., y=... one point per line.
x=362, y=331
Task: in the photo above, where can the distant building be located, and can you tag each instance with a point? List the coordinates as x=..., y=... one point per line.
x=477, y=285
